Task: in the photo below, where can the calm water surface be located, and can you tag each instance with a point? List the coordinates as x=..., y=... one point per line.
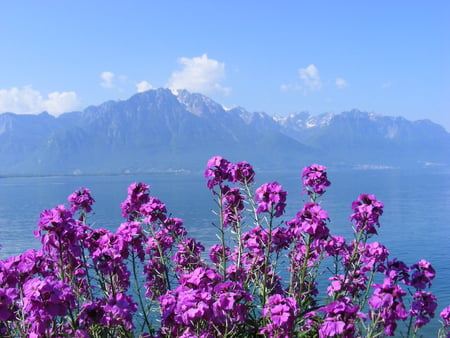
x=415, y=223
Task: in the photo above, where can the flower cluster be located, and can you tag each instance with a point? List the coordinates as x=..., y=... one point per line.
x=271, y=198
x=310, y=220
x=387, y=305
x=340, y=319
x=281, y=313
x=445, y=316
x=265, y=276
x=81, y=199
x=315, y=180
x=366, y=212
x=219, y=171
x=203, y=303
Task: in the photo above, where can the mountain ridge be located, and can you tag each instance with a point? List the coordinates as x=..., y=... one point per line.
x=160, y=130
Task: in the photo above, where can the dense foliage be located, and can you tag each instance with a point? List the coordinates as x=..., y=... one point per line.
x=264, y=277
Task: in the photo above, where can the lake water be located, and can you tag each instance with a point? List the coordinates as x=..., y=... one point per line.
x=415, y=223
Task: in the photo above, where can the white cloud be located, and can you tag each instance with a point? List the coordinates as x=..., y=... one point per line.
x=386, y=85
x=143, y=86
x=310, y=77
x=27, y=100
x=58, y=103
x=199, y=74
x=107, y=79
x=341, y=83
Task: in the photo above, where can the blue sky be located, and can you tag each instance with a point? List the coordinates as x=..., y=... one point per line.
x=386, y=57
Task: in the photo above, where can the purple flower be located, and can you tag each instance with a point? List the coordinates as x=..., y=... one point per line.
x=200, y=278
x=218, y=170
x=445, y=316
x=397, y=271
x=236, y=274
x=233, y=204
x=281, y=239
x=81, y=199
x=91, y=313
x=57, y=220
x=366, y=211
x=310, y=220
x=340, y=317
x=175, y=227
x=8, y=296
x=281, y=313
x=132, y=236
x=335, y=245
x=216, y=252
x=374, y=257
x=422, y=274
x=156, y=277
x=43, y=300
x=271, y=198
x=423, y=306
x=188, y=258
x=107, y=249
x=255, y=240
x=243, y=173
x=184, y=308
x=351, y=284
x=109, y=252
x=138, y=195
x=315, y=179
x=230, y=304
x=153, y=210
x=387, y=304
x=119, y=310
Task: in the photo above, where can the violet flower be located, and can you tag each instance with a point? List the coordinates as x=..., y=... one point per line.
x=218, y=170
x=340, y=318
x=366, y=211
x=81, y=199
x=311, y=220
x=271, y=198
x=387, y=303
x=243, y=173
x=422, y=274
x=445, y=316
x=281, y=313
x=315, y=180
x=423, y=306
x=138, y=195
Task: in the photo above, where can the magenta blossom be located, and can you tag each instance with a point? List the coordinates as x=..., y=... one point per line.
x=422, y=274
x=243, y=173
x=366, y=211
x=445, y=316
x=233, y=204
x=218, y=170
x=311, y=220
x=81, y=199
x=340, y=317
x=387, y=303
x=281, y=313
x=138, y=195
x=271, y=198
x=423, y=308
x=315, y=179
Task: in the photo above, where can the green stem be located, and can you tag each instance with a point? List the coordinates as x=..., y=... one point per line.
x=267, y=258
x=303, y=271
x=138, y=291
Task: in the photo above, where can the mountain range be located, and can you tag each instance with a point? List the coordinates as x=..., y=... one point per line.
x=162, y=130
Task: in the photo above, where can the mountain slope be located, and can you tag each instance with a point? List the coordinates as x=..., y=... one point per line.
x=161, y=130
